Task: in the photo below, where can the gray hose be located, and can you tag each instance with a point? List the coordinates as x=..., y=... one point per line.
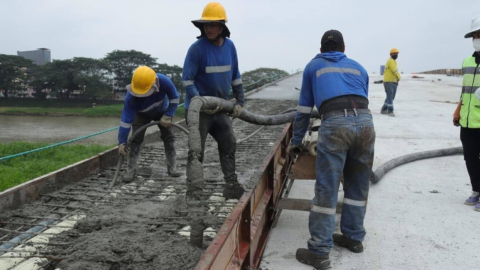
x=129, y=142
x=391, y=164
x=198, y=104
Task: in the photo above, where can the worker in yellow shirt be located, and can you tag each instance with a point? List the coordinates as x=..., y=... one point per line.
x=391, y=77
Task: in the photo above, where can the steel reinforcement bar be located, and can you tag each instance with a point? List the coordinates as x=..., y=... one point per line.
x=240, y=242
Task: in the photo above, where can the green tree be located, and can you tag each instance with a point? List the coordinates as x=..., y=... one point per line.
x=57, y=76
x=123, y=63
x=174, y=73
x=260, y=76
x=93, y=76
x=40, y=80
x=13, y=73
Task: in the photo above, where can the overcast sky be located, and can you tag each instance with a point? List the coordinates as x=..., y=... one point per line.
x=281, y=34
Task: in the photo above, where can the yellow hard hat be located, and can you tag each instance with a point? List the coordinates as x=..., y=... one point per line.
x=143, y=81
x=394, y=50
x=213, y=12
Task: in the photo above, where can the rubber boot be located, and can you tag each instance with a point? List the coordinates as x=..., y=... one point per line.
x=171, y=158
x=233, y=190
x=305, y=256
x=343, y=241
x=131, y=163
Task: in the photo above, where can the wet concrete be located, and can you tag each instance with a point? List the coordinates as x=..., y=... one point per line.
x=145, y=224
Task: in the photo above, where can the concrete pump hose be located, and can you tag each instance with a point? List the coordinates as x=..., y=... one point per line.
x=389, y=165
x=120, y=160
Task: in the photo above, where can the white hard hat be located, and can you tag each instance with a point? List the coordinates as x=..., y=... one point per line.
x=474, y=27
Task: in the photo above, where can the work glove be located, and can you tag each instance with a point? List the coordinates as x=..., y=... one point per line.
x=121, y=150
x=166, y=121
x=212, y=111
x=237, y=110
x=294, y=149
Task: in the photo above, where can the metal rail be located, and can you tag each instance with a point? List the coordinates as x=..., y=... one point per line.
x=240, y=242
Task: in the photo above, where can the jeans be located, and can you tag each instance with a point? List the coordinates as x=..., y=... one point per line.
x=391, y=91
x=345, y=146
x=470, y=138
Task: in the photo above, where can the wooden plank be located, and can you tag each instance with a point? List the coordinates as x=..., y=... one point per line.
x=304, y=167
x=294, y=204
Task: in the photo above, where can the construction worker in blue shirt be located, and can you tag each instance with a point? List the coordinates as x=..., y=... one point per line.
x=211, y=69
x=150, y=97
x=338, y=87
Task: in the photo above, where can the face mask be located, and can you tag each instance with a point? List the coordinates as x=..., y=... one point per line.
x=395, y=56
x=476, y=44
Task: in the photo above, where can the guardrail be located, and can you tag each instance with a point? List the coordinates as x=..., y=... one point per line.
x=241, y=241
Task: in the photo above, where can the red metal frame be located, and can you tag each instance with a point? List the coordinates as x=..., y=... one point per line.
x=240, y=242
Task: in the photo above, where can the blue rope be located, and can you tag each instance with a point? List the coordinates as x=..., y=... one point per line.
x=58, y=144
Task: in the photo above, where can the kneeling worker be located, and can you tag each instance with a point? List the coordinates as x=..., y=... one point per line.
x=150, y=97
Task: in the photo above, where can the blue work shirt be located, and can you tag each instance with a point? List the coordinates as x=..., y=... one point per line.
x=328, y=75
x=211, y=70
x=163, y=102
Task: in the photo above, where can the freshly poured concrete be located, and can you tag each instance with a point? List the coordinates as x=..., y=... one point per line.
x=416, y=218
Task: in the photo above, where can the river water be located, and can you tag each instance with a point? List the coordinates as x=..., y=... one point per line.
x=57, y=129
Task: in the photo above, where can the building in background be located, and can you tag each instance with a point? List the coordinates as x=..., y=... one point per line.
x=41, y=56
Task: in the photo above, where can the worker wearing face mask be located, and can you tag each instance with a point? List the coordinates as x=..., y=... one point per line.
x=467, y=114
x=391, y=77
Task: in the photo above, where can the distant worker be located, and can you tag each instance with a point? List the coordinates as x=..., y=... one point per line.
x=211, y=69
x=391, y=77
x=150, y=97
x=467, y=114
x=338, y=87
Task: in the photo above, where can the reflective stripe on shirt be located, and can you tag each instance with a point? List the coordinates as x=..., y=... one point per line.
x=337, y=70
x=218, y=69
x=187, y=83
x=173, y=101
x=237, y=82
x=125, y=125
x=154, y=105
x=469, y=89
x=469, y=70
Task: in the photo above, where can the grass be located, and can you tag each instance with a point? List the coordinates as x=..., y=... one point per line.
x=98, y=111
x=21, y=169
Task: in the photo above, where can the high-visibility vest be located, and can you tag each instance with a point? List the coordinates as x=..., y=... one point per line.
x=391, y=73
x=470, y=111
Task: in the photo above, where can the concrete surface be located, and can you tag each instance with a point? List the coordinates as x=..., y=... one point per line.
x=416, y=218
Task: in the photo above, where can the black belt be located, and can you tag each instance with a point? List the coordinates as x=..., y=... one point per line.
x=344, y=112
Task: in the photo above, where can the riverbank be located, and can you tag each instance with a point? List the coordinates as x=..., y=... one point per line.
x=20, y=169
x=98, y=111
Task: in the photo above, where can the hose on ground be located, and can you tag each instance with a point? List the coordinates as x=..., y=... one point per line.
x=129, y=142
x=391, y=164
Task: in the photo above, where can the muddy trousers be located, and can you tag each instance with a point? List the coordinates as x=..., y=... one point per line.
x=219, y=126
x=391, y=91
x=345, y=146
x=470, y=138
x=166, y=135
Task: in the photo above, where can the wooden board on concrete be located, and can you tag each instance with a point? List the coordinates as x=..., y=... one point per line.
x=304, y=167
